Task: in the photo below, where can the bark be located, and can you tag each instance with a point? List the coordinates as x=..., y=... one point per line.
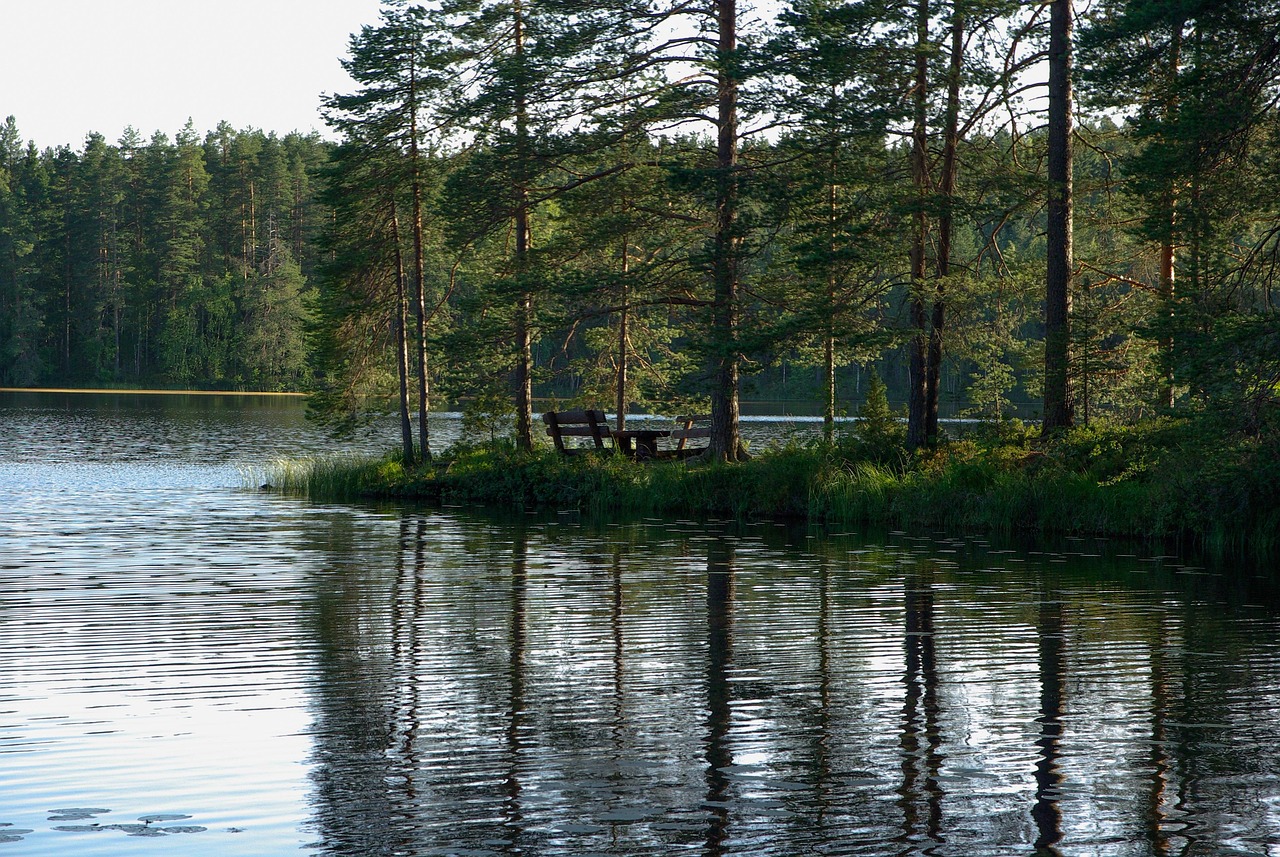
x=624, y=319
x=524, y=305
x=725, y=442
x=829, y=337
x=402, y=343
x=419, y=290
x=1165, y=288
x=950, y=143
x=1058, y=406
x=917, y=395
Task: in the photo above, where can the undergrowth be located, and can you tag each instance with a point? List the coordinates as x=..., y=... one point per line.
x=1159, y=480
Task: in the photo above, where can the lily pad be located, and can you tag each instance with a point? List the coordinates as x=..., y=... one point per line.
x=79, y=828
x=75, y=813
x=183, y=828
x=162, y=816
x=147, y=831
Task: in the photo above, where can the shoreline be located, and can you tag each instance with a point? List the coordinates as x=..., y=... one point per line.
x=1128, y=483
x=115, y=391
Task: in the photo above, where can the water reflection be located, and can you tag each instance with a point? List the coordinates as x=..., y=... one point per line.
x=720, y=573
x=390, y=681
x=1045, y=812
x=532, y=687
x=512, y=814
x=920, y=738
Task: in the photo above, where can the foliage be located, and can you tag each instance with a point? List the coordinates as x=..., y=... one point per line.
x=172, y=262
x=879, y=435
x=597, y=221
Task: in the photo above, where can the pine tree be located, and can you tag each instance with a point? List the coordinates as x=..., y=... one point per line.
x=357, y=336
x=400, y=73
x=20, y=320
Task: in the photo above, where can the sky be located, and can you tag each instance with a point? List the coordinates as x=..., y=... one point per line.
x=68, y=67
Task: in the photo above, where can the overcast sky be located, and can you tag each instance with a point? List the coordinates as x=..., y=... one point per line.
x=68, y=67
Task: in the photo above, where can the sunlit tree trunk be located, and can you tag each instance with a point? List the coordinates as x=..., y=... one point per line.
x=523, y=242
x=829, y=336
x=419, y=290
x=402, y=342
x=725, y=442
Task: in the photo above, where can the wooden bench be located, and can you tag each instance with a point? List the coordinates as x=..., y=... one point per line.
x=579, y=423
x=689, y=428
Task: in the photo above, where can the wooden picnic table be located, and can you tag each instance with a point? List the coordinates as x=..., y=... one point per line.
x=640, y=444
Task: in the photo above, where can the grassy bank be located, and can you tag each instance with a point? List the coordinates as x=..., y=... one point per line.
x=1159, y=480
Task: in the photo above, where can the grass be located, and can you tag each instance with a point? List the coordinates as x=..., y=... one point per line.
x=1159, y=480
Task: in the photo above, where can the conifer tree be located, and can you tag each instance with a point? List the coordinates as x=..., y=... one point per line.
x=398, y=71
x=20, y=318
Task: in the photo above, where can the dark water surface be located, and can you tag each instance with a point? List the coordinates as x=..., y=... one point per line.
x=226, y=672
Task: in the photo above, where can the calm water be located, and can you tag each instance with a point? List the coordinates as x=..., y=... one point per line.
x=227, y=672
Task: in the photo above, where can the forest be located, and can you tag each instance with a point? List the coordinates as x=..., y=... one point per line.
x=1053, y=210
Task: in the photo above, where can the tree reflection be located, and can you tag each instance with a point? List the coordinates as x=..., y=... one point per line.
x=823, y=744
x=406, y=650
x=720, y=560
x=1157, y=813
x=921, y=759
x=512, y=814
x=490, y=689
x=1046, y=813
x=356, y=709
x=615, y=622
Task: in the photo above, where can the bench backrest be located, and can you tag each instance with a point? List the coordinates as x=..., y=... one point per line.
x=579, y=423
x=689, y=428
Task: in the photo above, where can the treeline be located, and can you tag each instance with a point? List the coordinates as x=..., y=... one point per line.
x=655, y=204
x=179, y=263
x=522, y=192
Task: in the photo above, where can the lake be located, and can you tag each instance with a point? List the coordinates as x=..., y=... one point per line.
x=224, y=671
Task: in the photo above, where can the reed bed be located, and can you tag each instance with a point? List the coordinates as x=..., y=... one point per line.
x=1124, y=482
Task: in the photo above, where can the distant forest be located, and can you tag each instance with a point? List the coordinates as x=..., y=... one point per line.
x=657, y=205
x=179, y=263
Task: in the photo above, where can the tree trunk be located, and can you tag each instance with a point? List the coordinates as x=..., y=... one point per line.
x=1165, y=287
x=829, y=337
x=917, y=395
x=524, y=308
x=1058, y=406
x=419, y=290
x=725, y=442
x=623, y=346
x=402, y=342
x=950, y=143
